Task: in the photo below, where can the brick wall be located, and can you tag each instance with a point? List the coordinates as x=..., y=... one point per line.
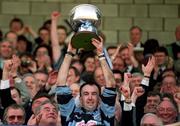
x=157, y=18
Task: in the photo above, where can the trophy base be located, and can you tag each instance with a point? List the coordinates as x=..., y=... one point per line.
x=83, y=40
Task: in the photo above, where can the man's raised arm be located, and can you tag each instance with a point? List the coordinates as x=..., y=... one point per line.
x=63, y=71
x=108, y=75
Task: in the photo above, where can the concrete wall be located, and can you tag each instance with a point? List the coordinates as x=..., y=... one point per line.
x=157, y=18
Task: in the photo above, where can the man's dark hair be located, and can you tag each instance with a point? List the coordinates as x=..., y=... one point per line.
x=91, y=84
x=111, y=47
x=161, y=49
x=42, y=28
x=149, y=46
x=134, y=27
x=40, y=95
x=153, y=93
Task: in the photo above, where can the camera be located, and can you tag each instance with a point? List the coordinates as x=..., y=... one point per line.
x=25, y=63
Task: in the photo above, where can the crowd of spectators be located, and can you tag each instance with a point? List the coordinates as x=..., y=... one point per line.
x=46, y=81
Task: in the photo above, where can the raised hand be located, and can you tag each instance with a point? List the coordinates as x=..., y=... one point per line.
x=113, y=57
x=137, y=92
x=127, y=78
x=149, y=67
x=15, y=64
x=131, y=49
x=71, y=49
x=34, y=120
x=177, y=98
x=55, y=15
x=98, y=44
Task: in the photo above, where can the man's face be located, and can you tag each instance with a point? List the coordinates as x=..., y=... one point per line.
x=30, y=82
x=36, y=103
x=44, y=34
x=15, y=117
x=118, y=79
x=135, y=81
x=135, y=36
x=160, y=58
x=169, y=85
x=16, y=27
x=15, y=96
x=118, y=64
x=90, y=64
x=125, y=56
x=151, y=104
x=89, y=97
x=151, y=121
x=41, y=79
x=13, y=38
x=111, y=51
x=99, y=76
x=167, y=112
x=49, y=114
x=61, y=35
x=72, y=78
x=6, y=49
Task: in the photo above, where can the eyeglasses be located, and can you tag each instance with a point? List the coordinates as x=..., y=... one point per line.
x=13, y=117
x=169, y=110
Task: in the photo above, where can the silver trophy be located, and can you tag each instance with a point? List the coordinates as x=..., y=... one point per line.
x=84, y=19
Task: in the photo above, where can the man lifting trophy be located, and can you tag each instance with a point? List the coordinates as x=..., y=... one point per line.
x=84, y=19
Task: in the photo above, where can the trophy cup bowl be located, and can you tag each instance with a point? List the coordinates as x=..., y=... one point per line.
x=84, y=19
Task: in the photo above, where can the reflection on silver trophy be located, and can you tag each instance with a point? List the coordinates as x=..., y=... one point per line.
x=84, y=19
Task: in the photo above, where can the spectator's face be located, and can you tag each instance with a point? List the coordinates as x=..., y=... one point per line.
x=41, y=79
x=125, y=56
x=6, y=49
x=36, y=103
x=61, y=35
x=72, y=78
x=21, y=46
x=44, y=35
x=169, y=85
x=160, y=58
x=15, y=96
x=90, y=64
x=99, y=76
x=16, y=27
x=49, y=115
x=42, y=51
x=135, y=81
x=151, y=121
x=118, y=64
x=166, y=112
x=135, y=36
x=89, y=97
x=78, y=66
x=111, y=51
x=118, y=79
x=13, y=38
x=151, y=104
x=15, y=117
x=30, y=82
